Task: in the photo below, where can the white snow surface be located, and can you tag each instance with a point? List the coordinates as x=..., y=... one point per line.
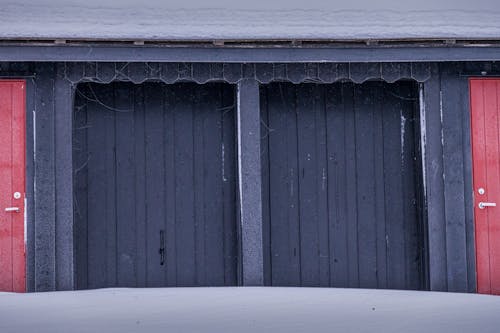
x=249, y=309
x=197, y=20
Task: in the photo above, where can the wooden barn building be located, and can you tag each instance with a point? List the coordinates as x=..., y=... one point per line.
x=160, y=144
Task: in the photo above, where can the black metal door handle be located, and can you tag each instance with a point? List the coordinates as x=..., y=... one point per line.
x=161, y=251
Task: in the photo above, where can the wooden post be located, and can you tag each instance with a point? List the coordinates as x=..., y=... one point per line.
x=53, y=195
x=63, y=107
x=250, y=182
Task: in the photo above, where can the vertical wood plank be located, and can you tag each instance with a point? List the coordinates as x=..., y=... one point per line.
x=200, y=110
x=125, y=191
x=110, y=161
x=286, y=102
x=278, y=246
x=379, y=181
x=248, y=120
x=351, y=184
x=17, y=154
x=80, y=186
x=308, y=178
x=140, y=184
x=492, y=137
x=412, y=238
x=45, y=218
x=394, y=201
x=287, y=98
x=184, y=201
x=228, y=111
x=155, y=182
x=30, y=181
x=363, y=95
x=454, y=197
x=484, y=95
x=322, y=187
x=283, y=173
x=96, y=207
x=170, y=190
x=337, y=185
x=17, y=124
x=265, y=132
x=63, y=108
x=468, y=189
x=434, y=182
x=213, y=197
x=6, y=173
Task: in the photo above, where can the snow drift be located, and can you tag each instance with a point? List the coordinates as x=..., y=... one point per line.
x=248, y=310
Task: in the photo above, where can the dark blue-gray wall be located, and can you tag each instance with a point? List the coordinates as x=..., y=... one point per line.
x=342, y=185
x=448, y=174
x=155, y=185
x=445, y=132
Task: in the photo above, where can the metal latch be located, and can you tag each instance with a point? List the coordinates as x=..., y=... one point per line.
x=483, y=205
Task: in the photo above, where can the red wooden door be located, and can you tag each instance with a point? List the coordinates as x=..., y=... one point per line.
x=485, y=118
x=12, y=185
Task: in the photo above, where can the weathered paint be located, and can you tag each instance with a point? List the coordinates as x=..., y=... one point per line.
x=447, y=155
x=341, y=188
x=152, y=206
x=249, y=174
x=12, y=180
x=448, y=210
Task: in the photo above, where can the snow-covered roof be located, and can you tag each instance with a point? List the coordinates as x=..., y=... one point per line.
x=198, y=20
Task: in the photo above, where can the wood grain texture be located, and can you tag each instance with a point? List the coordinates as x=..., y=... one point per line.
x=44, y=173
x=342, y=185
x=13, y=178
x=157, y=177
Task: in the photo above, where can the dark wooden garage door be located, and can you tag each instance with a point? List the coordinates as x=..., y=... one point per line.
x=341, y=185
x=155, y=185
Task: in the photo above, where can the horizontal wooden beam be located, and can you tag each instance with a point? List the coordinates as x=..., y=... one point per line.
x=155, y=53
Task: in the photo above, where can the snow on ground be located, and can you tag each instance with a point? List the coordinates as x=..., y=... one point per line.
x=249, y=20
x=248, y=310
